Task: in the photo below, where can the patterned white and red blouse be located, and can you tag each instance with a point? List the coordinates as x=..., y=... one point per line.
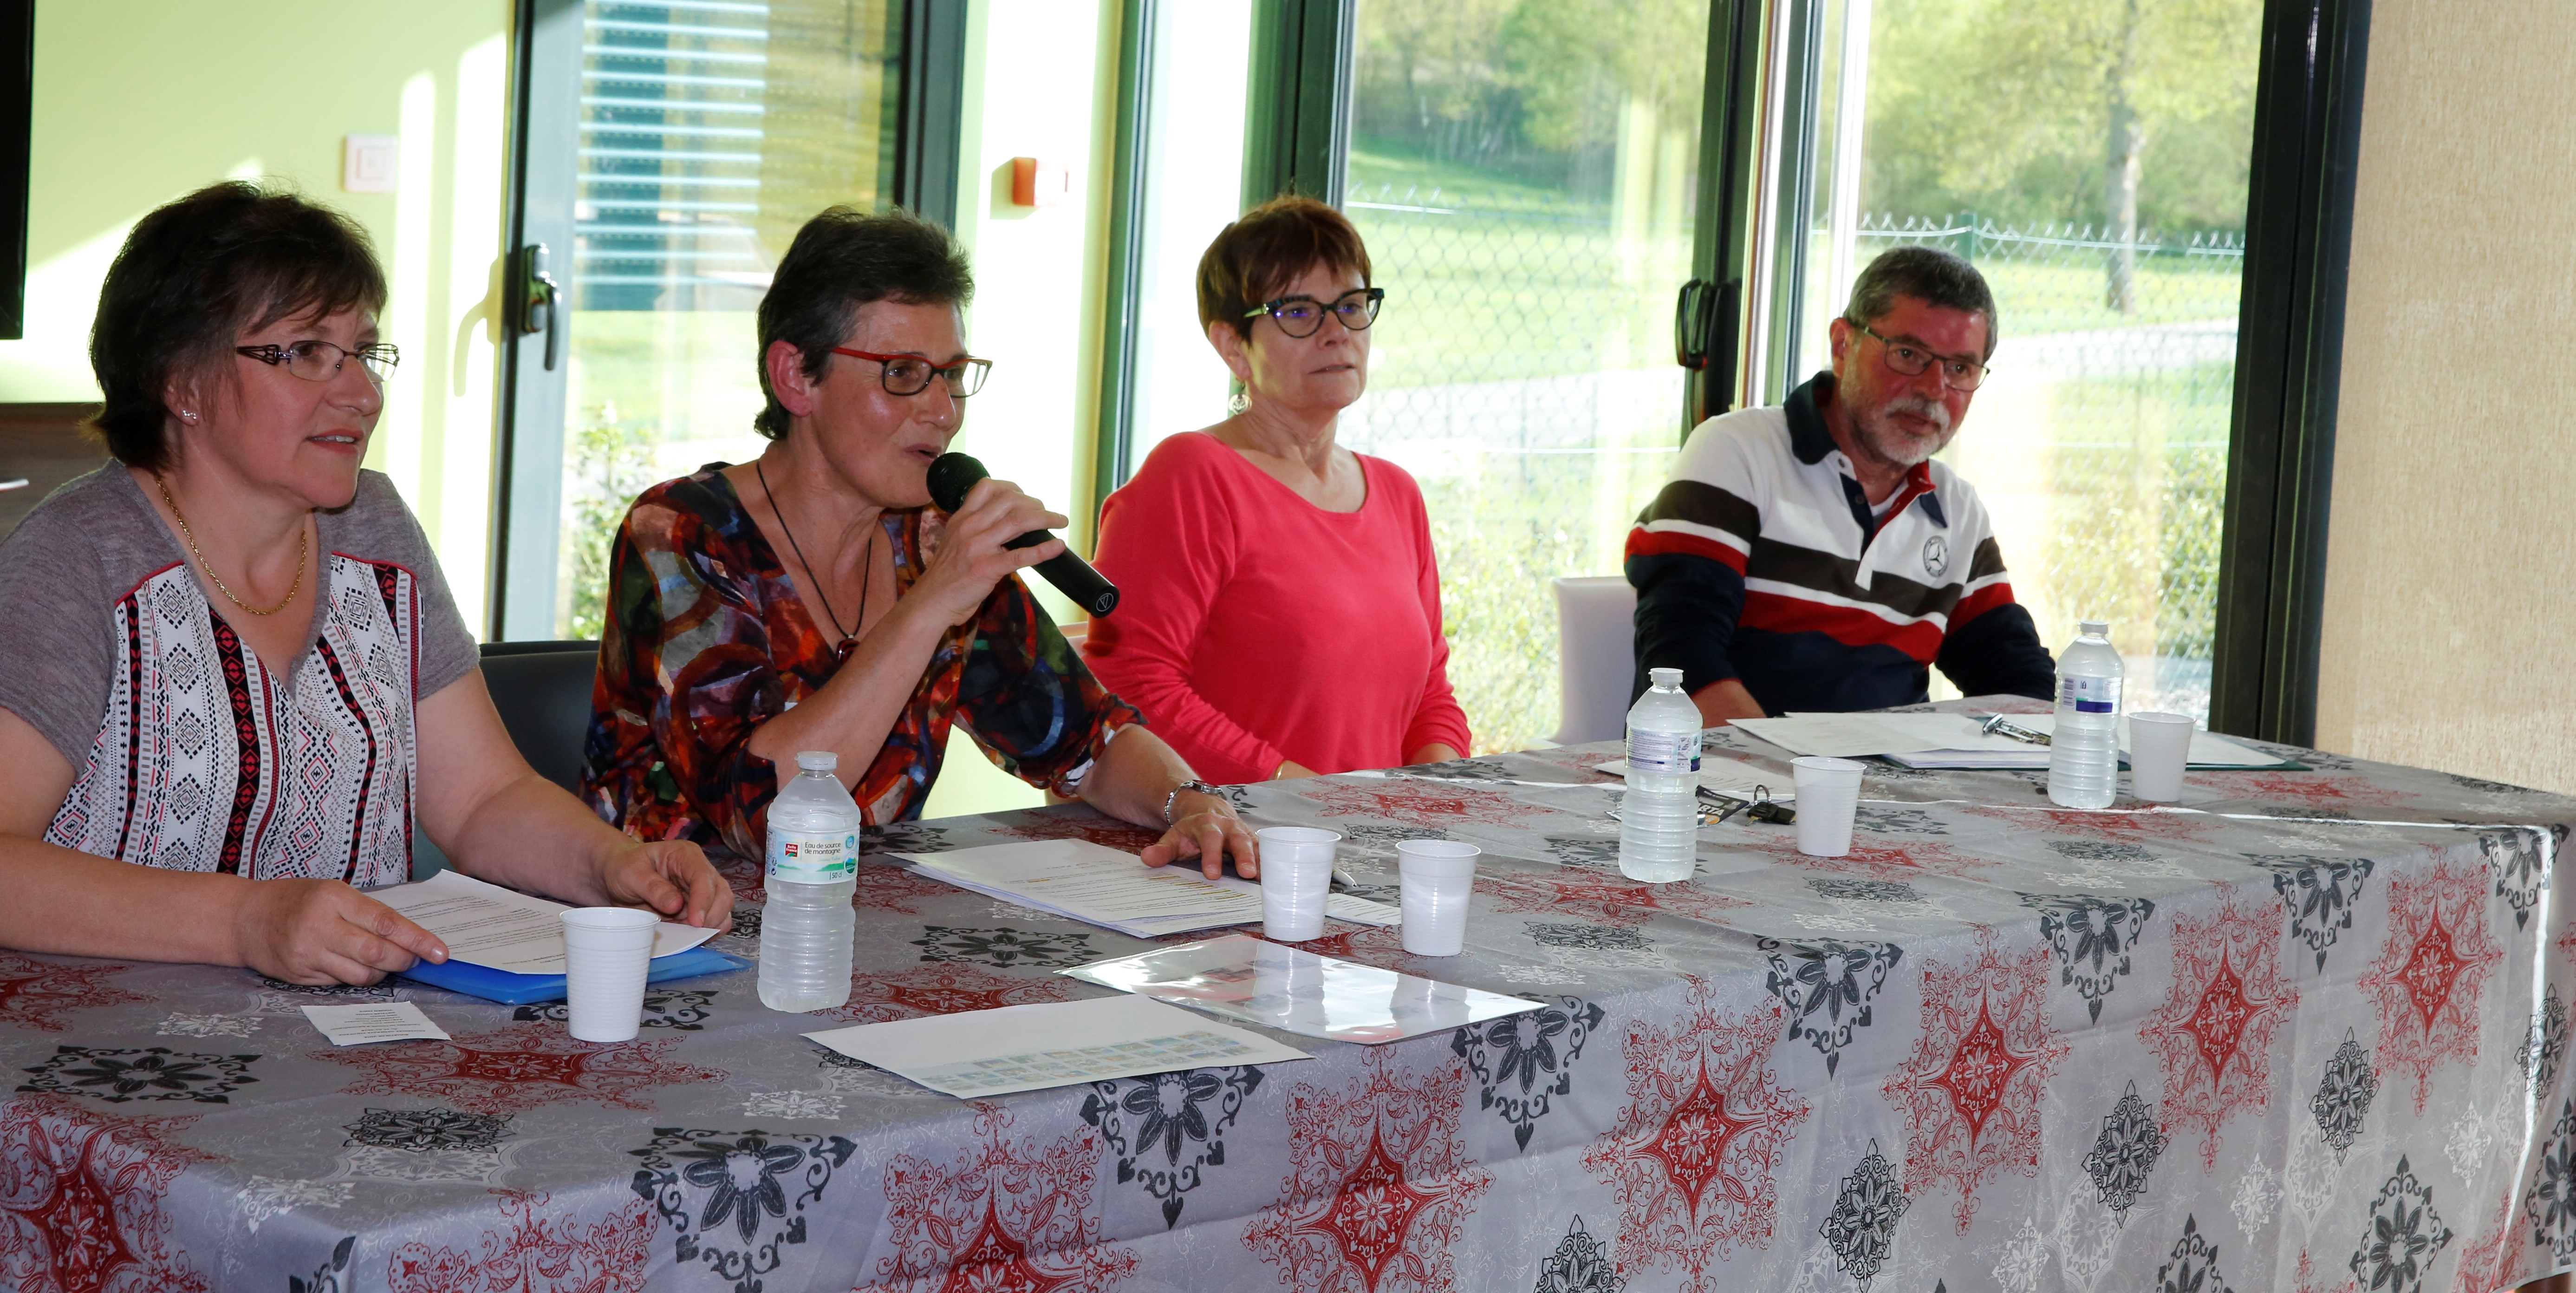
x=192, y=754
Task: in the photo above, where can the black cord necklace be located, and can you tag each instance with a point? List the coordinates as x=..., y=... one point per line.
x=867, y=571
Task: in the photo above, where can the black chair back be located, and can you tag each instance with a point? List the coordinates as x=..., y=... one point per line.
x=543, y=692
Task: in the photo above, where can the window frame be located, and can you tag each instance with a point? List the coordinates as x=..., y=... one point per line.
x=527, y=497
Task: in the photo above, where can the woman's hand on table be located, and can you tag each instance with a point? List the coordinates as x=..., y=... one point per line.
x=672, y=877
x=1204, y=827
x=323, y=931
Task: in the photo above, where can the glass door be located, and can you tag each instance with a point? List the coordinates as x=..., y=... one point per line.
x=671, y=151
x=2090, y=156
x=1525, y=176
x=1181, y=167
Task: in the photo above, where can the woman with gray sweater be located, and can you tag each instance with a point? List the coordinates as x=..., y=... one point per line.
x=233, y=675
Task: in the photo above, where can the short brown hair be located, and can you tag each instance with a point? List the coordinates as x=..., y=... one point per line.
x=196, y=274
x=842, y=259
x=1258, y=256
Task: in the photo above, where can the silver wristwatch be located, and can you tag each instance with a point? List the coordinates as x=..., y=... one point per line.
x=1191, y=784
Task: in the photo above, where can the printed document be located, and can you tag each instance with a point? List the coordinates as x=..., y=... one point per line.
x=485, y=924
x=1264, y=983
x=1098, y=885
x=1732, y=778
x=374, y=1021
x=977, y=1053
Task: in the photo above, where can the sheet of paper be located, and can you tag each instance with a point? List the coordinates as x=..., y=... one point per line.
x=1360, y=911
x=485, y=924
x=375, y=1021
x=1733, y=778
x=1298, y=992
x=1835, y=736
x=1096, y=883
x=1025, y=1048
x=2208, y=750
x=2027, y=756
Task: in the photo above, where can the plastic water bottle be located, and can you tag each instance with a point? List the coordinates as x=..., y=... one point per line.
x=2084, y=750
x=813, y=875
x=1659, y=816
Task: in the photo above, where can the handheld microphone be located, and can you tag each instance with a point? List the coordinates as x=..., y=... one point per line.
x=952, y=474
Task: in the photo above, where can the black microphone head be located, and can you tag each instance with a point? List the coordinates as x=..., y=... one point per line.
x=951, y=475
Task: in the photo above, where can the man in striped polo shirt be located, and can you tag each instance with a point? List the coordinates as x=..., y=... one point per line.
x=1813, y=557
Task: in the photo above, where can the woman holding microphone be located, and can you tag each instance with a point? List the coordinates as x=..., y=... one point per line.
x=812, y=599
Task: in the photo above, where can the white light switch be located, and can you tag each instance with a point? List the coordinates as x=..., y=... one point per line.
x=370, y=163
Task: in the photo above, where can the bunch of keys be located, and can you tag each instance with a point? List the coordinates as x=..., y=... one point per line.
x=1761, y=808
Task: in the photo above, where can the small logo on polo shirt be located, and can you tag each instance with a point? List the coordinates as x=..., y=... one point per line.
x=1936, y=556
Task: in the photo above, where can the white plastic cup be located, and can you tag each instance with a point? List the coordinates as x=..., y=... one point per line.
x=1439, y=876
x=1296, y=876
x=1828, y=793
x=2159, y=749
x=607, y=951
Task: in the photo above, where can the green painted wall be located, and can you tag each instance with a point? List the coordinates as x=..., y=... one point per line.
x=140, y=101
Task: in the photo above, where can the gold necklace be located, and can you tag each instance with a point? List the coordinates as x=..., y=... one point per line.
x=304, y=553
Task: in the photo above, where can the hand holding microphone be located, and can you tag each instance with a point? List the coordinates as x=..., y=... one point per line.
x=953, y=474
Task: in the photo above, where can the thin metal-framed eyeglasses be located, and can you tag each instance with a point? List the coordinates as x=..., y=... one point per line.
x=911, y=374
x=316, y=360
x=1910, y=359
x=1300, y=316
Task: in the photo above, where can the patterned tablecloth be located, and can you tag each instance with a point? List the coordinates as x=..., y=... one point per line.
x=2303, y=1032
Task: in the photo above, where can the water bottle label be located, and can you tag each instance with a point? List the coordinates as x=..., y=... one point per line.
x=1662, y=752
x=813, y=859
x=2090, y=695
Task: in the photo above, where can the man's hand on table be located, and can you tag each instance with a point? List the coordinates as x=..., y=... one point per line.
x=1204, y=827
x=1724, y=701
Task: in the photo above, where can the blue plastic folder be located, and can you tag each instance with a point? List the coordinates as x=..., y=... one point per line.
x=512, y=989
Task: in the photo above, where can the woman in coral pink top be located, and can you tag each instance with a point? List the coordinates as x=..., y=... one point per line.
x=1280, y=609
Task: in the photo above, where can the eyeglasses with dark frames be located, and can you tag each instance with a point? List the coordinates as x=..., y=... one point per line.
x=1910, y=359
x=1300, y=316
x=316, y=360
x=911, y=374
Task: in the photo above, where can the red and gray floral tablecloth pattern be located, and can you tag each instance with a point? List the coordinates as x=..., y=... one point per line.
x=2303, y=1032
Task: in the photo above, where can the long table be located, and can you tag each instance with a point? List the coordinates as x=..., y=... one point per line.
x=2304, y=1031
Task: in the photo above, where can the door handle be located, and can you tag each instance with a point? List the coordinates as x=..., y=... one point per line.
x=1705, y=319
x=537, y=304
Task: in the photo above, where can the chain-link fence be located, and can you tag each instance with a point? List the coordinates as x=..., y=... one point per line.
x=2100, y=441
x=1522, y=372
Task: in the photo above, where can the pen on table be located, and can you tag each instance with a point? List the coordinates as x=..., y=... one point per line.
x=1342, y=879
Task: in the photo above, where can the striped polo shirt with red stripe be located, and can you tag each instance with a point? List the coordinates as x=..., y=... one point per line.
x=1761, y=559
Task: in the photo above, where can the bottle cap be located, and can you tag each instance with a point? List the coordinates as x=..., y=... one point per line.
x=1665, y=677
x=2097, y=628
x=817, y=761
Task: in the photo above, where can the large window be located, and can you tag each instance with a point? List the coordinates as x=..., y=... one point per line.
x=1524, y=175
x=675, y=148
x=2090, y=156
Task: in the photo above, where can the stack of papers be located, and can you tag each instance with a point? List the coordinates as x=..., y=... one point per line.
x=1954, y=741
x=1298, y=992
x=1101, y=886
x=1732, y=778
x=977, y=1053
x=505, y=946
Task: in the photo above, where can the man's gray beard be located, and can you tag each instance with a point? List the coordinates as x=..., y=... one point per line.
x=1905, y=451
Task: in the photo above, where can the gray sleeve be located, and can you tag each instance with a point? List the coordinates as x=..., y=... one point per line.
x=57, y=622
x=382, y=528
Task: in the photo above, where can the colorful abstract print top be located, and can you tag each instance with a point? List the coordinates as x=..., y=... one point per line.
x=1763, y=560
x=706, y=639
